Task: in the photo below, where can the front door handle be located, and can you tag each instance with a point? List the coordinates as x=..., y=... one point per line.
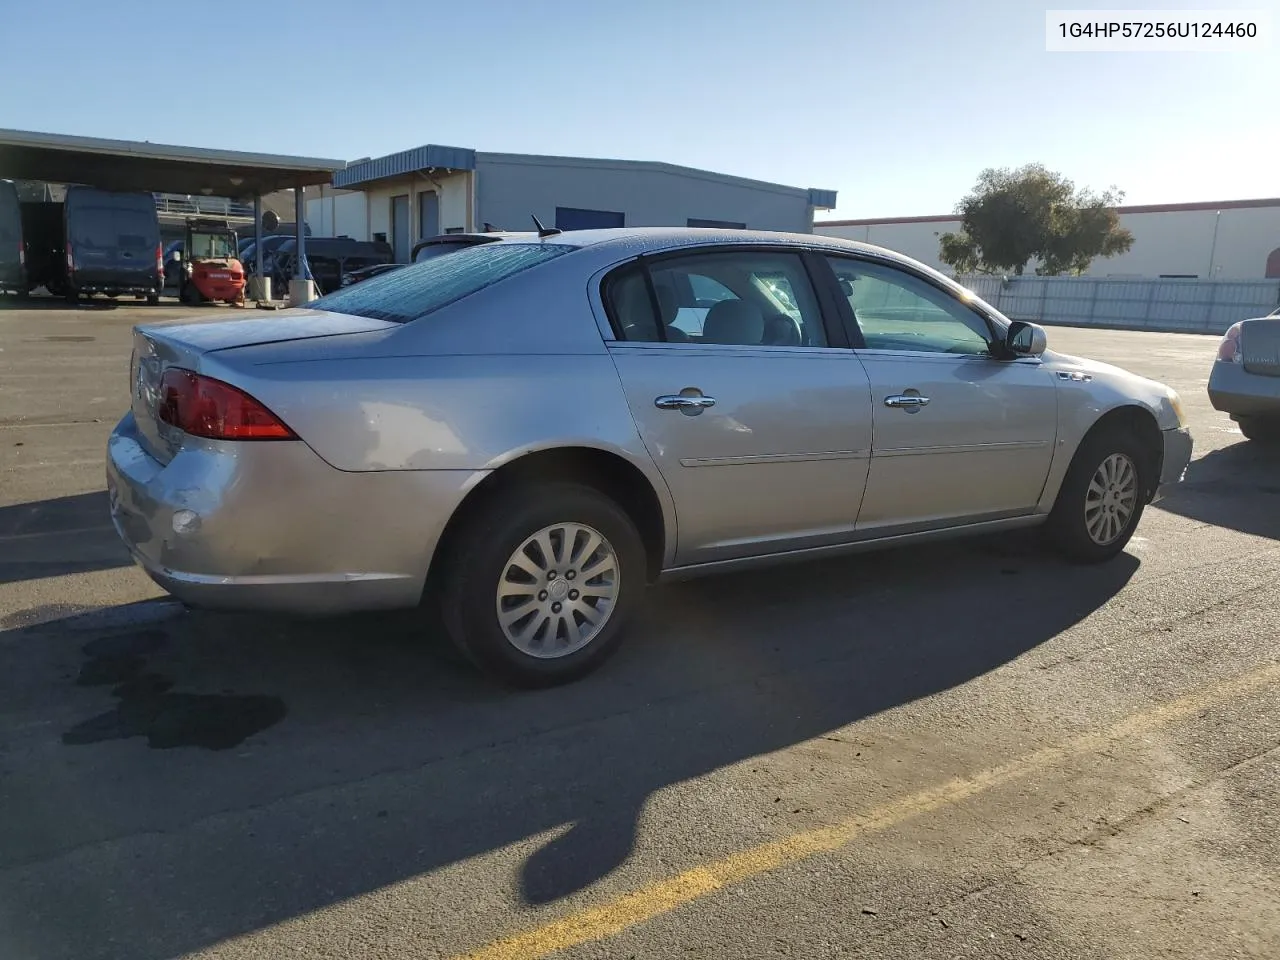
x=680, y=401
x=909, y=401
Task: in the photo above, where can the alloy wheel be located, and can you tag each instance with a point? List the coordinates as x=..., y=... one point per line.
x=557, y=590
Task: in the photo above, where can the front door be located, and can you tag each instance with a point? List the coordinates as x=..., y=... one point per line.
x=761, y=429
x=959, y=436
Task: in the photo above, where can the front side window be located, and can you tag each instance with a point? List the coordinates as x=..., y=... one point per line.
x=895, y=310
x=404, y=295
x=731, y=298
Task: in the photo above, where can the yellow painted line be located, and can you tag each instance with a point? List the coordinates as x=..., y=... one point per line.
x=613, y=917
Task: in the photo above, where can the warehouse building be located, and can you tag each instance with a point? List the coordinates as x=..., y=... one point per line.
x=1226, y=240
x=434, y=189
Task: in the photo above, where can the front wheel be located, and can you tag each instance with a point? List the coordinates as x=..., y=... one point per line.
x=1102, y=498
x=536, y=589
x=1260, y=429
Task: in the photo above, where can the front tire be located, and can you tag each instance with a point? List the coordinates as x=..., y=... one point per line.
x=1102, y=497
x=1260, y=429
x=537, y=588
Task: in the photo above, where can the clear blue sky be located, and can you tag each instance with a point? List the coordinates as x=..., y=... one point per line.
x=897, y=105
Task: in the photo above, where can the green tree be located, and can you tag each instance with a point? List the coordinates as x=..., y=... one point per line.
x=1012, y=217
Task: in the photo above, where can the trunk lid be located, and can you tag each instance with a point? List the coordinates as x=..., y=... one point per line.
x=1260, y=346
x=157, y=347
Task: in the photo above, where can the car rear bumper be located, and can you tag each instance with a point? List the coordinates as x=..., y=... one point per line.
x=1236, y=391
x=270, y=526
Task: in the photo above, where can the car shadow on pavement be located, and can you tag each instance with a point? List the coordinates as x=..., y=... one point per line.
x=309, y=763
x=62, y=535
x=1237, y=487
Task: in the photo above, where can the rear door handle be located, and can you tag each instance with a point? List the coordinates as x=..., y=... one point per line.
x=682, y=402
x=906, y=400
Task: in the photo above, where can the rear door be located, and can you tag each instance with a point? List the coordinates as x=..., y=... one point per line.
x=763, y=440
x=92, y=237
x=137, y=239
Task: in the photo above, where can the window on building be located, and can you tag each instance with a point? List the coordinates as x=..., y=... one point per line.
x=575, y=218
x=400, y=227
x=428, y=215
x=715, y=224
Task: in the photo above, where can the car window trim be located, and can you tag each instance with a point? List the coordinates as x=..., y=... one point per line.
x=836, y=334
x=995, y=329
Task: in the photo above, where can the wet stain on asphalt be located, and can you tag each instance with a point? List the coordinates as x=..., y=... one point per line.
x=149, y=708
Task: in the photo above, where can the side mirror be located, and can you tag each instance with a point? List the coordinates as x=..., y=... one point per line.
x=846, y=287
x=1025, y=339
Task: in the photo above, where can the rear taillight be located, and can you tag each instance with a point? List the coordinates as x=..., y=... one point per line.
x=1229, y=346
x=204, y=407
x=22, y=255
x=159, y=260
x=71, y=260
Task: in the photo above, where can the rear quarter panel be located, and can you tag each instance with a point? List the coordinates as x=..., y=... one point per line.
x=516, y=368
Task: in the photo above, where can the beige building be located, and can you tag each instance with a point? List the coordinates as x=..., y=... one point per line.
x=1227, y=240
x=434, y=189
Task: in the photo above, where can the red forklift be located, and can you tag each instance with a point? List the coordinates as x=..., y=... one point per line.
x=211, y=270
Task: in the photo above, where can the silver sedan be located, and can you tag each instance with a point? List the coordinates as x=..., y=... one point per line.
x=523, y=434
x=1245, y=380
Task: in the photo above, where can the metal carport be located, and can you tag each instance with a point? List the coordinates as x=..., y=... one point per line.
x=164, y=168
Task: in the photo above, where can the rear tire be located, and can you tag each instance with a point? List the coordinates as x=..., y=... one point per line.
x=1102, y=497
x=72, y=296
x=153, y=299
x=493, y=564
x=1260, y=429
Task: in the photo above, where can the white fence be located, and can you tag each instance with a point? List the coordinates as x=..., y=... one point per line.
x=1191, y=306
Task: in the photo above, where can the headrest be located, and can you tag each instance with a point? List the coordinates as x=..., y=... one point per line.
x=781, y=331
x=733, y=321
x=667, y=304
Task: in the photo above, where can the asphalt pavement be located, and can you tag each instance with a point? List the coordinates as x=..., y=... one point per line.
x=963, y=750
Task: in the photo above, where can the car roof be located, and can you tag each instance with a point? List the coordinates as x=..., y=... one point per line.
x=639, y=240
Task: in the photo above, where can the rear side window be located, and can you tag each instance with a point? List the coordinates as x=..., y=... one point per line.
x=420, y=288
x=94, y=227
x=135, y=230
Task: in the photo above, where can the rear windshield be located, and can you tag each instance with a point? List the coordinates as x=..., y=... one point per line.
x=420, y=288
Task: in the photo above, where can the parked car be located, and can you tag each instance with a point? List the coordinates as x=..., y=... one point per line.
x=515, y=436
x=329, y=258
x=453, y=242
x=13, y=250
x=1245, y=379
x=368, y=273
x=97, y=241
x=270, y=244
x=426, y=250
